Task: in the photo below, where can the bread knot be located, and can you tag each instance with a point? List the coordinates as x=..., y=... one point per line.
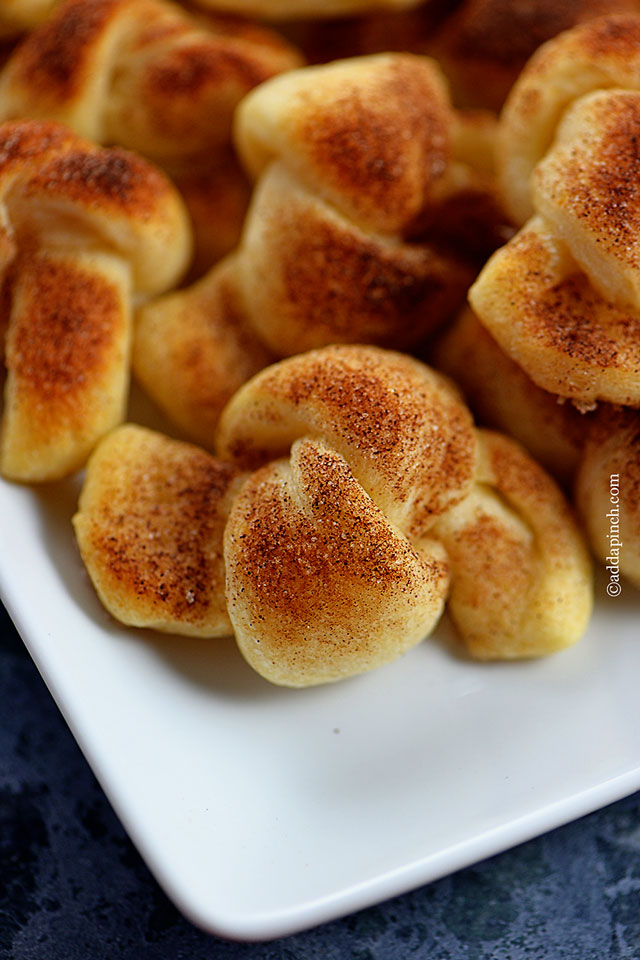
x=562, y=297
x=362, y=498
x=601, y=54
x=151, y=77
x=363, y=181
x=83, y=230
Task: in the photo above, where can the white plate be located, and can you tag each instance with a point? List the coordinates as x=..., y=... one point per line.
x=263, y=811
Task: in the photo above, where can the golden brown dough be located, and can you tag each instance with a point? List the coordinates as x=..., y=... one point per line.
x=364, y=187
x=149, y=528
x=310, y=276
x=608, y=492
x=544, y=313
x=597, y=55
x=521, y=573
x=401, y=427
x=67, y=354
x=362, y=505
x=192, y=350
x=85, y=229
x=376, y=139
x=320, y=585
x=152, y=77
x=586, y=189
x=358, y=419
x=562, y=297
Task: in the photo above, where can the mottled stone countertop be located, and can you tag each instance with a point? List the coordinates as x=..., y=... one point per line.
x=72, y=887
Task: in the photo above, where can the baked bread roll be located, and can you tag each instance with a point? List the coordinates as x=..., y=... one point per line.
x=502, y=396
x=520, y=571
x=608, y=493
x=545, y=314
x=376, y=139
x=347, y=157
x=149, y=527
x=597, y=55
x=364, y=498
x=586, y=188
x=193, y=348
x=562, y=297
x=401, y=427
x=364, y=186
x=409, y=442
x=84, y=230
x=320, y=586
x=151, y=77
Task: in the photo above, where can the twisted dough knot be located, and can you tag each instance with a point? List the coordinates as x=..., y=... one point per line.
x=563, y=296
x=83, y=230
x=357, y=164
x=151, y=77
x=596, y=455
x=601, y=54
x=360, y=497
x=351, y=159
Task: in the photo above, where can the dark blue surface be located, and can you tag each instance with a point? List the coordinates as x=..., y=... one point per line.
x=72, y=886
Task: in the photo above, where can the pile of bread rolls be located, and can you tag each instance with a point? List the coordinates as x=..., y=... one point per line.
x=377, y=265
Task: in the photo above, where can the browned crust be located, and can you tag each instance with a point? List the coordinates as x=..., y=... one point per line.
x=295, y=558
x=115, y=179
x=54, y=162
x=55, y=58
x=401, y=427
x=159, y=62
x=67, y=360
x=549, y=319
x=356, y=143
x=60, y=341
x=370, y=135
x=24, y=143
x=149, y=526
x=312, y=277
x=593, y=173
x=320, y=586
x=598, y=54
x=193, y=349
x=56, y=183
x=341, y=287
